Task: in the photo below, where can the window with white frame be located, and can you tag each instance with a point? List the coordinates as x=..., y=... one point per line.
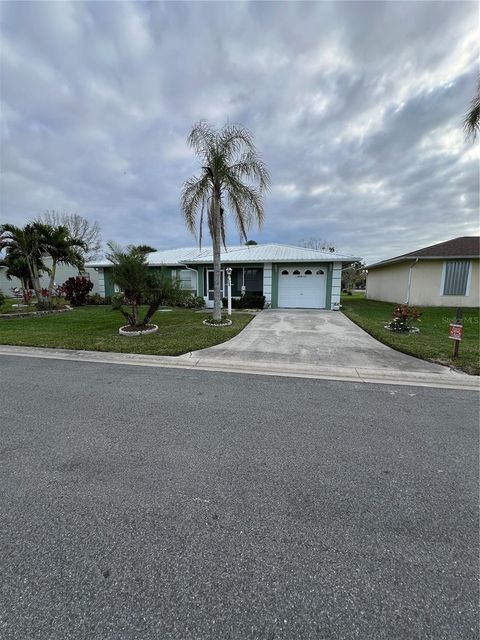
x=185, y=277
x=455, y=277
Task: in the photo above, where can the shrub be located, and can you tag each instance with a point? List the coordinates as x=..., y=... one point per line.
x=189, y=301
x=3, y=297
x=97, y=299
x=76, y=290
x=248, y=301
x=403, y=318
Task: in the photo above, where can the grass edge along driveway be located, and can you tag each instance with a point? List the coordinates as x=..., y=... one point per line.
x=95, y=328
x=432, y=343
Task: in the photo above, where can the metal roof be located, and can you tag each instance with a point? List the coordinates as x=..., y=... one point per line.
x=241, y=253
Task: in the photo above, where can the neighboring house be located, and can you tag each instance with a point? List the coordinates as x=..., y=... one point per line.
x=443, y=275
x=63, y=272
x=288, y=276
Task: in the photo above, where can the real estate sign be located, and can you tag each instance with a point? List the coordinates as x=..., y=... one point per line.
x=456, y=331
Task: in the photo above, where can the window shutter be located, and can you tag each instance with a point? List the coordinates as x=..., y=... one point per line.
x=456, y=277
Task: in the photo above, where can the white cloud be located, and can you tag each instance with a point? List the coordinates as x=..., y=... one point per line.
x=356, y=107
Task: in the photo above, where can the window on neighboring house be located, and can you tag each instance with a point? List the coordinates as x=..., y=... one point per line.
x=456, y=274
x=284, y=272
x=308, y=272
x=296, y=272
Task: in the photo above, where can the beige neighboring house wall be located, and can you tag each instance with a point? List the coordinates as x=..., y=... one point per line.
x=390, y=284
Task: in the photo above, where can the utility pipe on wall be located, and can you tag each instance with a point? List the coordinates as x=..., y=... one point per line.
x=407, y=301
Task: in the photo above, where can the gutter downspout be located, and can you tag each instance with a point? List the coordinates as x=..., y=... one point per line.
x=407, y=301
x=195, y=271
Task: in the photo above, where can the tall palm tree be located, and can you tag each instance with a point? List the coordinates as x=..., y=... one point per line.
x=232, y=176
x=30, y=245
x=472, y=119
x=62, y=248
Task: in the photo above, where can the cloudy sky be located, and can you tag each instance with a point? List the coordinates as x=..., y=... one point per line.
x=356, y=109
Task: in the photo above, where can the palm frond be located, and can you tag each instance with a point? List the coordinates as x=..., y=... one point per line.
x=202, y=139
x=194, y=192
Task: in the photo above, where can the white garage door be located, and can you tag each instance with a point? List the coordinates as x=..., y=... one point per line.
x=302, y=287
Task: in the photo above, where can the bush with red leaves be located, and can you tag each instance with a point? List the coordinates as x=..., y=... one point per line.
x=76, y=290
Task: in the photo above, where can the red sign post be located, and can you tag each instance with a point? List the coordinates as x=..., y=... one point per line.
x=455, y=332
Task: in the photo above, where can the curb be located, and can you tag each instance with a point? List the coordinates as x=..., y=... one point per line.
x=447, y=379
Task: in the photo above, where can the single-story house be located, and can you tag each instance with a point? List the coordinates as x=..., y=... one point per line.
x=63, y=272
x=288, y=276
x=442, y=275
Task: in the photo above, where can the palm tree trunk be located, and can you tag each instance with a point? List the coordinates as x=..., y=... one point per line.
x=217, y=267
x=52, y=278
x=35, y=277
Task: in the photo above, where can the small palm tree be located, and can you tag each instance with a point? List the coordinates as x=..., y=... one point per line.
x=139, y=283
x=18, y=268
x=62, y=248
x=28, y=244
x=472, y=119
x=232, y=176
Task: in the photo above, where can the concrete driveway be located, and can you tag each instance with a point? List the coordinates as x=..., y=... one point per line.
x=326, y=339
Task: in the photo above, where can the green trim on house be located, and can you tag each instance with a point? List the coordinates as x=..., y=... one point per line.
x=201, y=277
x=328, y=293
x=109, y=291
x=274, y=302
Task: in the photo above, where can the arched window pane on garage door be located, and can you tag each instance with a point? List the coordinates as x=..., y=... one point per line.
x=308, y=272
x=296, y=272
x=284, y=272
x=319, y=272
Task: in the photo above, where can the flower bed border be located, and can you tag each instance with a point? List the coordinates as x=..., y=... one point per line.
x=136, y=334
x=225, y=323
x=410, y=330
x=34, y=314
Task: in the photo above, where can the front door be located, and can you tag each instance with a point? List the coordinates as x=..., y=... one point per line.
x=210, y=287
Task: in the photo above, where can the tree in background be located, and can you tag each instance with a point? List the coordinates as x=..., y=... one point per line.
x=63, y=248
x=354, y=276
x=319, y=244
x=79, y=227
x=139, y=284
x=233, y=176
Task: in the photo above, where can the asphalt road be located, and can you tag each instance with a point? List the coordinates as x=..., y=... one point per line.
x=142, y=503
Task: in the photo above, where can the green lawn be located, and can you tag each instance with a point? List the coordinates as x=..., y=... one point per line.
x=95, y=328
x=432, y=343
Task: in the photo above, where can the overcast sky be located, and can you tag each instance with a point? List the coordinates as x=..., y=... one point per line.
x=356, y=109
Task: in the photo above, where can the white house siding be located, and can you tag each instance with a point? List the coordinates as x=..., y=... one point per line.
x=267, y=283
x=63, y=272
x=390, y=284
x=336, y=283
